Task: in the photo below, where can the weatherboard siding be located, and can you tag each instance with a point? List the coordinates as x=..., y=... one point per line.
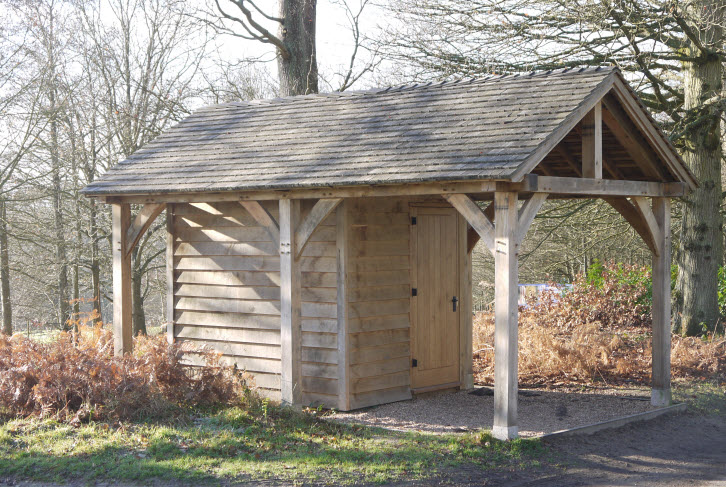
x=378, y=295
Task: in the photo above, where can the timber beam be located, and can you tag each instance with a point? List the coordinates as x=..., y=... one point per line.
x=532, y=183
x=593, y=188
x=661, y=309
x=323, y=207
x=473, y=214
x=141, y=224
x=592, y=143
x=264, y=218
x=634, y=217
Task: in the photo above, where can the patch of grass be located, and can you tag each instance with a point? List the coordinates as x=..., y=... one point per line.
x=703, y=397
x=231, y=444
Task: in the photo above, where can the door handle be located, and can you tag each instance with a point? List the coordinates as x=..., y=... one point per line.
x=454, y=300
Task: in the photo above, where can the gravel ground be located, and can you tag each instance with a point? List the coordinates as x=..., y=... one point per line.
x=540, y=411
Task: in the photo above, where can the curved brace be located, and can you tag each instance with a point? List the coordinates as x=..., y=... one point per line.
x=141, y=223
x=640, y=216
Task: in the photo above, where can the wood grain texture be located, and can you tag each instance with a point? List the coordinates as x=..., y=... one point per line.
x=505, y=309
x=170, y=284
x=226, y=292
x=290, y=304
x=661, y=393
x=591, y=126
x=378, y=300
x=122, y=327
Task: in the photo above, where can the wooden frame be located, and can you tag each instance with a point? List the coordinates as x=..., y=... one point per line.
x=501, y=226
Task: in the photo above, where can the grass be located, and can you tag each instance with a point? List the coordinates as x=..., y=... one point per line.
x=230, y=444
x=702, y=397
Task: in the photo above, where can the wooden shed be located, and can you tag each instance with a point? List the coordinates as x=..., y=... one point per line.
x=323, y=242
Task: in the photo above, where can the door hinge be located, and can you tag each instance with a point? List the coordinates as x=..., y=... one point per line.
x=414, y=363
x=413, y=220
x=414, y=291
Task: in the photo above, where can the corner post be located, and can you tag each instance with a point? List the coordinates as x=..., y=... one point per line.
x=506, y=250
x=290, y=321
x=170, y=273
x=122, y=330
x=341, y=244
x=661, y=311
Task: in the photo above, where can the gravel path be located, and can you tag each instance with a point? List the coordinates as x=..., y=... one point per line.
x=540, y=412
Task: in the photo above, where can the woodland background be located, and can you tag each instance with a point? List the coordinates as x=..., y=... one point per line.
x=83, y=84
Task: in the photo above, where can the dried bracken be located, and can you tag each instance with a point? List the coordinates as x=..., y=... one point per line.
x=76, y=377
x=596, y=331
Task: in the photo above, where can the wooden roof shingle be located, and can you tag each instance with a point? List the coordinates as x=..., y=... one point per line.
x=489, y=128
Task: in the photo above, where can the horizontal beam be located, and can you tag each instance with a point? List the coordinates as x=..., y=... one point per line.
x=588, y=187
x=583, y=187
x=318, y=193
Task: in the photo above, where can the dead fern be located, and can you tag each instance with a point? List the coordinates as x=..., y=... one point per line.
x=594, y=332
x=76, y=377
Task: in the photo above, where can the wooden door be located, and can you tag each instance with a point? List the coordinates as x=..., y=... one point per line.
x=435, y=307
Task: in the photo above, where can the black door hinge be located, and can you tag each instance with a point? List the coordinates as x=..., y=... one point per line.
x=414, y=363
x=414, y=292
x=413, y=220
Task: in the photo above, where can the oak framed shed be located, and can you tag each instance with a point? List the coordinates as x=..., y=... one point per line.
x=323, y=242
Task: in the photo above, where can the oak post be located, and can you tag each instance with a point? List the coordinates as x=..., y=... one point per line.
x=290, y=321
x=122, y=330
x=170, y=272
x=506, y=249
x=341, y=244
x=661, y=392
x=592, y=143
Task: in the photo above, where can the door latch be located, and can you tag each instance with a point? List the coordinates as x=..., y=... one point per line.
x=414, y=362
x=454, y=300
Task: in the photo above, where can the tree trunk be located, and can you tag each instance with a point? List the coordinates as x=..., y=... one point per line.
x=95, y=265
x=60, y=239
x=5, y=271
x=138, y=317
x=298, y=71
x=701, y=239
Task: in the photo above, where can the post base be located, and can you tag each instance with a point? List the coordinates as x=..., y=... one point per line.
x=505, y=433
x=661, y=397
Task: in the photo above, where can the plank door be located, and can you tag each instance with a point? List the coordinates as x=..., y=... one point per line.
x=435, y=277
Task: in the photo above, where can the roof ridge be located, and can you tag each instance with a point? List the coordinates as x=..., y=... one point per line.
x=417, y=86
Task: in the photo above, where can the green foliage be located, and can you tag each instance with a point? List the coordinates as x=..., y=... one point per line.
x=594, y=274
x=721, y=287
x=623, y=277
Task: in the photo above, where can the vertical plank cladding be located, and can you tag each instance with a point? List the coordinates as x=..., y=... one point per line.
x=379, y=288
x=319, y=314
x=227, y=287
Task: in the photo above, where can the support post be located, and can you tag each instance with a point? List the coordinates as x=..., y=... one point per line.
x=122, y=331
x=341, y=244
x=661, y=311
x=290, y=329
x=592, y=143
x=170, y=273
x=506, y=251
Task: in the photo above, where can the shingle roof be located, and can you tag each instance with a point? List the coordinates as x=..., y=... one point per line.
x=478, y=129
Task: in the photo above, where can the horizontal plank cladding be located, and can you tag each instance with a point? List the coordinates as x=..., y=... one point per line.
x=227, y=288
x=319, y=313
x=378, y=296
